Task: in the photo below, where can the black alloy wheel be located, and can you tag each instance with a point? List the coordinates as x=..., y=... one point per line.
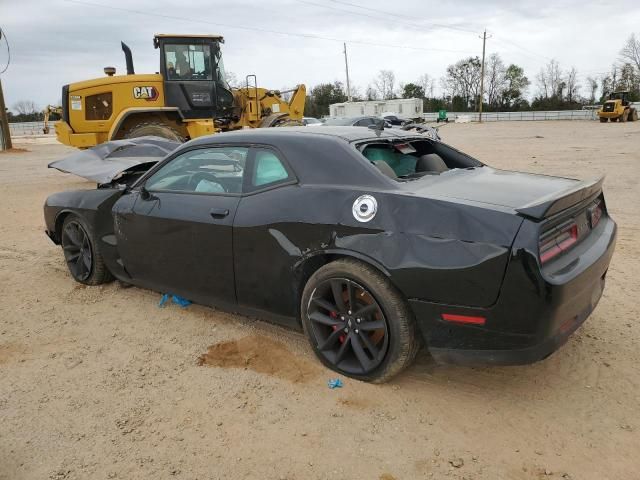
x=348, y=325
x=77, y=250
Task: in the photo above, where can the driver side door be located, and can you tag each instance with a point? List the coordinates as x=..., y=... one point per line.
x=175, y=233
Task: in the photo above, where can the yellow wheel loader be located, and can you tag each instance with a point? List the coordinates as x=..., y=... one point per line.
x=188, y=98
x=618, y=109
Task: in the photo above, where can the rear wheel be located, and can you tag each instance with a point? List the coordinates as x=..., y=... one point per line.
x=615, y=119
x=633, y=115
x=81, y=252
x=156, y=129
x=603, y=119
x=624, y=116
x=358, y=324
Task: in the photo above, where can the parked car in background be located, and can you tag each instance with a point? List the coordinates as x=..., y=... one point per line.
x=372, y=242
x=394, y=119
x=354, y=122
x=311, y=122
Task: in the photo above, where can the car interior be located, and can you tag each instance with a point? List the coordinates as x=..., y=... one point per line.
x=408, y=160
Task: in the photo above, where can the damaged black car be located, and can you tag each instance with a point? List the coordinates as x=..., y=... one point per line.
x=375, y=243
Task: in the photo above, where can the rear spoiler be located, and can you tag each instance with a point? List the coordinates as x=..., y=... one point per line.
x=553, y=203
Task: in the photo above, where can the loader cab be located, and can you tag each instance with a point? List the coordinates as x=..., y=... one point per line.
x=622, y=96
x=193, y=74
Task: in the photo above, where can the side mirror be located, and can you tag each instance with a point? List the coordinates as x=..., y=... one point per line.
x=144, y=193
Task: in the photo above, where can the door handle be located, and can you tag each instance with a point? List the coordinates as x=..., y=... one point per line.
x=219, y=212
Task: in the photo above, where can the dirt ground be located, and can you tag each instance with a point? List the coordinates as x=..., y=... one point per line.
x=98, y=382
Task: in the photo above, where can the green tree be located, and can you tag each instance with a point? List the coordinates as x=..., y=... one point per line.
x=512, y=95
x=411, y=90
x=323, y=95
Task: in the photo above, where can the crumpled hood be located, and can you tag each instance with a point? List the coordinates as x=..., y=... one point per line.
x=110, y=160
x=491, y=186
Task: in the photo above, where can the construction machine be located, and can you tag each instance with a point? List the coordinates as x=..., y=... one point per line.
x=189, y=97
x=618, y=108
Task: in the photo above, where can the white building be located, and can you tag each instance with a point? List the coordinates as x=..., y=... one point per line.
x=403, y=107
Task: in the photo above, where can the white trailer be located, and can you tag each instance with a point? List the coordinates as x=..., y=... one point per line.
x=403, y=107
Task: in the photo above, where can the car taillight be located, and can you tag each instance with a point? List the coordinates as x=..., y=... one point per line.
x=595, y=212
x=558, y=240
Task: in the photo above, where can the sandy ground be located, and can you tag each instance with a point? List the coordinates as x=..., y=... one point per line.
x=100, y=383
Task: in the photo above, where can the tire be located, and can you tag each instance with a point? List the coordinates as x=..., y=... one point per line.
x=603, y=119
x=614, y=119
x=633, y=115
x=156, y=129
x=624, y=116
x=82, y=253
x=385, y=326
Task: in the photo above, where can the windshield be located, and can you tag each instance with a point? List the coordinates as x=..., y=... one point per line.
x=187, y=62
x=222, y=76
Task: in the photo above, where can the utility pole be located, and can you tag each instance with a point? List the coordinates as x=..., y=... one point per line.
x=484, y=42
x=5, y=134
x=346, y=66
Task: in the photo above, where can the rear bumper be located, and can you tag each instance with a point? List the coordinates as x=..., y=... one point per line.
x=533, y=317
x=515, y=356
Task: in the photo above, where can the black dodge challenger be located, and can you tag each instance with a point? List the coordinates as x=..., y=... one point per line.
x=373, y=242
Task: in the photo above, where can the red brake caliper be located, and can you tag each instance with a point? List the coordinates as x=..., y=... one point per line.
x=342, y=338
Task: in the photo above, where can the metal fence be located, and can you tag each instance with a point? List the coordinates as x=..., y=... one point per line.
x=518, y=116
x=29, y=128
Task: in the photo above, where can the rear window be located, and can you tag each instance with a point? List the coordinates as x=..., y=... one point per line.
x=401, y=164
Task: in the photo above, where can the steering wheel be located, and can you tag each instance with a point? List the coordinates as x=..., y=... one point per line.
x=196, y=177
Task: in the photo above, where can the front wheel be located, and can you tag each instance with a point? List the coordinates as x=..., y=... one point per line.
x=81, y=252
x=358, y=324
x=603, y=119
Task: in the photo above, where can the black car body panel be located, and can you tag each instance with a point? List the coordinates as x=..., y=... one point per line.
x=462, y=242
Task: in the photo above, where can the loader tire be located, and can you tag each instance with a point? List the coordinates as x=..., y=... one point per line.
x=624, y=116
x=603, y=119
x=156, y=129
x=633, y=115
x=615, y=119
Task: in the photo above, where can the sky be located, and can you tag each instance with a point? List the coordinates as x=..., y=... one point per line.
x=286, y=42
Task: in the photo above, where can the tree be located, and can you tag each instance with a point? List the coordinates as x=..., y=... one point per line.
x=572, y=85
x=411, y=90
x=516, y=84
x=427, y=83
x=371, y=93
x=549, y=80
x=463, y=80
x=25, y=107
x=631, y=51
x=384, y=83
x=593, y=88
x=495, y=80
x=323, y=95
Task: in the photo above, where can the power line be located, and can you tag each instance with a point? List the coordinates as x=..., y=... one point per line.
x=392, y=14
x=259, y=29
x=412, y=25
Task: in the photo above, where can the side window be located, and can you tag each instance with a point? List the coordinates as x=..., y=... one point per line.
x=268, y=169
x=207, y=170
x=365, y=122
x=98, y=107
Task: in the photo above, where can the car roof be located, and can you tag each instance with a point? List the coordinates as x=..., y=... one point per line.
x=348, y=134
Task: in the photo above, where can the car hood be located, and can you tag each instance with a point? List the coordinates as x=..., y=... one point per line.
x=110, y=160
x=489, y=186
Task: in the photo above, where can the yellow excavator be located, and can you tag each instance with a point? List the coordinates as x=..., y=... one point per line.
x=189, y=97
x=618, y=108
